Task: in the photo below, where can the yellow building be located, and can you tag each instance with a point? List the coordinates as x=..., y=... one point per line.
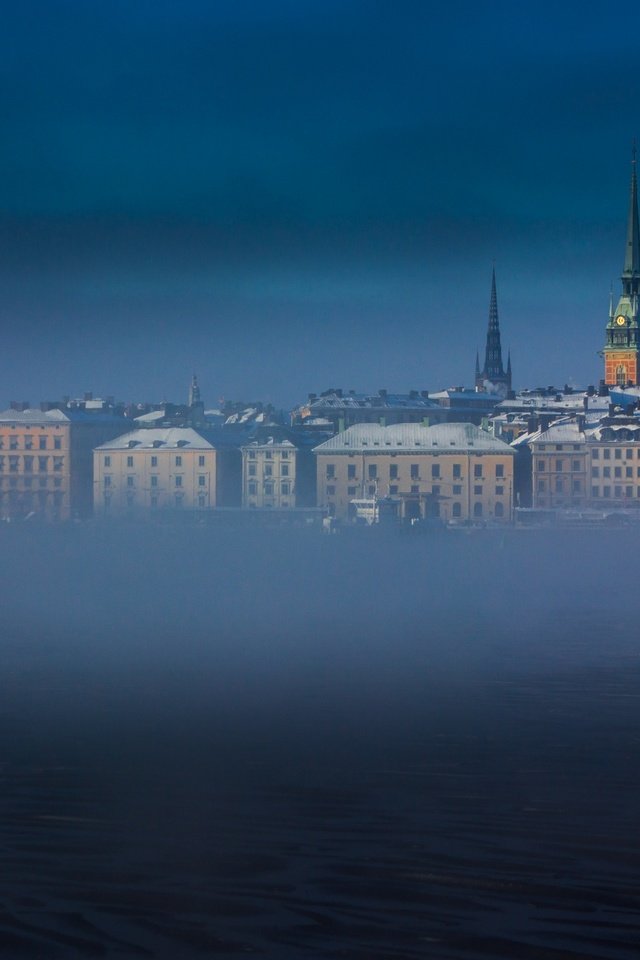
x=35, y=464
x=594, y=465
x=453, y=471
x=153, y=469
x=269, y=475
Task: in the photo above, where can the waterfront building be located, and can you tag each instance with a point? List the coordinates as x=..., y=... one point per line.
x=153, y=469
x=622, y=341
x=46, y=457
x=269, y=474
x=455, y=472
x=578, y=464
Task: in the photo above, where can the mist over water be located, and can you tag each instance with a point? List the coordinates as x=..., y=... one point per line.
x=281, y=743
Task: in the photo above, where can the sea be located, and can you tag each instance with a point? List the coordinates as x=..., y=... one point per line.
x=280, y=744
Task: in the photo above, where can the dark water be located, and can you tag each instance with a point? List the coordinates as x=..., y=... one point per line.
x=283, y=745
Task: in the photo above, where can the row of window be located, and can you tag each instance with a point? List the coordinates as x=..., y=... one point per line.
x=178, y=500
x=28, y=481
x=178, y=481
x=576, y=465
x=606, y=454
x=268, y=454
x=268, y=470
x=617, y=492
x=252, y=488
x=28, y=444
x=28, y=463
x=154, y=461
x=456, y=490
x=560, y=486
x=414, y=471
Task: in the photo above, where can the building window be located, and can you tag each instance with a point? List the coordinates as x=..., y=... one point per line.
x=606, y=491
x=628, y=491
x=457, y=489
x=477, y=509
x=154, y=461
x=606, y=453
x=252, y=469
x=415, y=471
x=57, y=463
x=499, y=491
x=541, y=486
x=457, y=471
x=268, y=454
x=57, y=482
x=178, y=481
x=154, y=481
x=268, y=489
x=13, y=443
x=57, y=443
x=558, y=446
x=179, y=499
x=13, y=464
x=201, y=461
x=252, y=454
x=107, y=461
x=617, y=454
x=594, y=491
x=202, y=481
x=628, y=472
x=129, y=461
x=628, y=454
x=617, y=471
x=42, y=464
x=284, y=469
x=28, y=442
x=456, y=510
x=617, y=492
x=253, y=489
x=558, y=466
x=595, y=471
x=477, y=490
x=107, y=481
x=595, y=453
x=541, y=466
x=477, y=469
x=415, y=488
x=392, y=489
x=285, y=454
x=28, y=464
x=499, y=510
x=351, y=471
x=576, y=486
x=372, y=471
x=435, y=490
x=372, y=489
x=435, y=471
x=499, y=470
x=42, y=443
x=284, y=489
x=178, y=461
x=606, y=471
x=202, y=500
x=393, y=471
x=129, y=481
x=558, y=484
x=575, y=465
x=268, y=470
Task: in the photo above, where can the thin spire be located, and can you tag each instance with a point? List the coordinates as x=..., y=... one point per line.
x=632, y=250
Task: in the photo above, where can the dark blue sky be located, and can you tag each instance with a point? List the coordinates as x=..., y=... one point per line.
x=286, y=196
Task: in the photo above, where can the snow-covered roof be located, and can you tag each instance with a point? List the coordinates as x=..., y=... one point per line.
x=34, y=416
x=409, y=437
x=563, y=431
x=156, y=438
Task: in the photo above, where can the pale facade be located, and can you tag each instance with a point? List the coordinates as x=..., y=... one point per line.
x=155, y=469
x=35, y=464
x=269, y=475
x=455, y=472
x=594, y=466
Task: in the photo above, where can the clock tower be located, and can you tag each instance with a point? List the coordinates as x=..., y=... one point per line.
x=622, y=344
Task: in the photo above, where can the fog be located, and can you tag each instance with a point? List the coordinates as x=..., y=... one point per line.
x=274, y=741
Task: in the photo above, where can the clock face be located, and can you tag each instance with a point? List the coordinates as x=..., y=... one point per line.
x=621, y=321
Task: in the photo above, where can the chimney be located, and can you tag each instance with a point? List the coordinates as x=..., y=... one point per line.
x=591, y=390
x=580, y=421
x=603, y=389
x=88, y=395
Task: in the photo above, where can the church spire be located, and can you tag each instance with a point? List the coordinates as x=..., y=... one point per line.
x=632, y=250
x=194, y=392
x=493, y=369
